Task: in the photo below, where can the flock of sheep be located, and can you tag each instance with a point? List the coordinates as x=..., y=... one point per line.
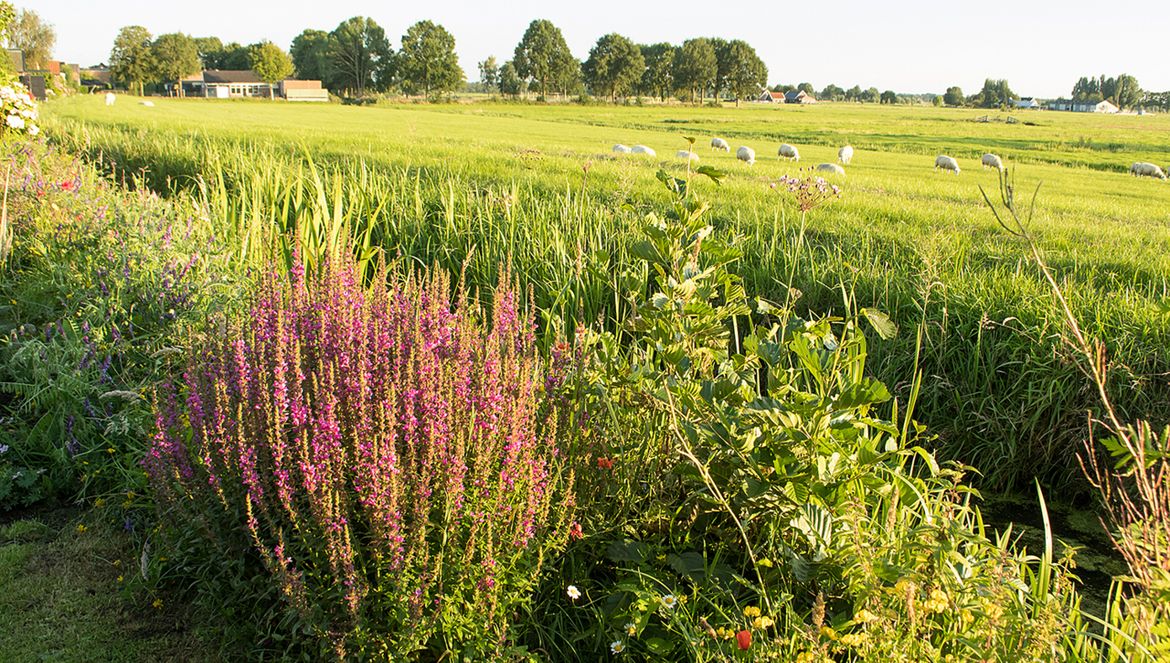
x=845, y=155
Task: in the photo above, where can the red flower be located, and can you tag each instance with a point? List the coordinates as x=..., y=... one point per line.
x=604, y=463
x=575, y=530
x=744, y=639
x=67, y=185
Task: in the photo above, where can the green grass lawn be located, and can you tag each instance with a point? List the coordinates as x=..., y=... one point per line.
x=998, y=387
x=62, y=597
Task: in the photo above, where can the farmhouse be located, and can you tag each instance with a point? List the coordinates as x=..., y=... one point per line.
x=245, y=83
x=769, y=97
x=799, y=97
x=1026, y=103
x=1083, y=106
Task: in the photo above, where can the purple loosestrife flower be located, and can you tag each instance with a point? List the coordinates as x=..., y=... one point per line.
x=347, y=428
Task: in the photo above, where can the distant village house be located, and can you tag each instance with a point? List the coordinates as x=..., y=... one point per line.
x=1083, y=106
x=791, y=97
x=245, y=83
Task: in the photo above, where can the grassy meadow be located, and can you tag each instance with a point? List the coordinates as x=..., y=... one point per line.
x=458, y=382
x=539, y=184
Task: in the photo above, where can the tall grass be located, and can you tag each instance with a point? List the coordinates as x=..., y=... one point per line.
x=999, y=387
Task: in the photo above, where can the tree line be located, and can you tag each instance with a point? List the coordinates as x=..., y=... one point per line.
x=1122, y=91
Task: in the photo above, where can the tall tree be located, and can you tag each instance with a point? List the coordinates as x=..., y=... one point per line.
x=832, y=93
x=745, y=73
x=233, y=57
x=489, y=73
x=615, y=66
x=7, y=19
x=657, y=79
x=310, y=55
x=209, y=49
x=853, y=93
x=33, y=36
x=427, y=62
x=807, y=88
x=270, y=63
x=695, y=67
x=1127, y=93
x=871, y=95
x=176, y=56
x=954, y=96
x=996, y=93
x=543, y=56
x=723, y=65
x=132, y=59
x=510, y=82
x=889, y=97
x=360, y=55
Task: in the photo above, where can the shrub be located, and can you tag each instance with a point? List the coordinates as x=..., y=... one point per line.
x=392, y=460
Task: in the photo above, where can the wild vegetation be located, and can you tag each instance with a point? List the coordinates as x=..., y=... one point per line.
x=456, y=381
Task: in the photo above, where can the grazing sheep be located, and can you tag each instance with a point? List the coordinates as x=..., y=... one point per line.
x=642, y=149
x=845, y=154
x=992, y=161
x=687, y=154
x=720, y=144
x=621, y=149
x=947, y=163
x=746, y=155
x=1144, y=169
x=110, y=98
x=789, y=152
x=831, y=168
x=148, y=104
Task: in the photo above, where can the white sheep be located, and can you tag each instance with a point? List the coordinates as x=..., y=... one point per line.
x=845, y=154
x=687, y=154
x=642, y=149
x=720, y=144
x=992, y=161
x=789, y=152
x=1145, y=169
x=746, y=155
x=148, y=104
x=947, y=163
x=110, y=98
x=621, y=149
x=831, y=168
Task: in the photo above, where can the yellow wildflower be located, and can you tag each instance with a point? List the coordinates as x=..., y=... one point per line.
x=751, y=611
x=762, y=622
x=854, y=639
x=864, y=616
x=157, y=604
x=81, y=528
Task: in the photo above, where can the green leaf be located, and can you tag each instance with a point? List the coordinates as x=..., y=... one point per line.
x=711, y=172
x=881, y=323
x=628, y=550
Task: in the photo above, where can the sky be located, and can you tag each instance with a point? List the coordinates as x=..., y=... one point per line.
x=1040, y=46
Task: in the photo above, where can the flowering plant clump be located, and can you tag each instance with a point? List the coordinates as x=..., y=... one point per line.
x=392, y=461
x=810, y=192
x=18, y=109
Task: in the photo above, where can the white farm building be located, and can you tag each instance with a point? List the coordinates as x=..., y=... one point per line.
x=1083, y=106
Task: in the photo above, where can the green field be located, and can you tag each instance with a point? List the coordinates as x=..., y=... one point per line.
x=440, y=183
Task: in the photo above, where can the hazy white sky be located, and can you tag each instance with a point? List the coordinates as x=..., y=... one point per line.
x=1040, y=46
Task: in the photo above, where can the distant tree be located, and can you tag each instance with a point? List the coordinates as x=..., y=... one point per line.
x=360, y=56
x=33, y=36
x=995, y=94
x=615, y=66
x=176, y=56
x=510, y=82
x=832, y=93
x=695, y=67
x=853, y=93
x=1127, y=92
x=657, y=79
x=723, y=65
x=270, y=63
x=310, y=56
x=807, y=88
x=543, y=56
x=954, y=96
x=936, y=100
x=1087, y=88
x=489, y=73
x=233, y=57
x=870, y=96
x=783, y=87
x=132, y=59
x=889, y=97
x=746, y=73
x=427, y=63
x=209, y=49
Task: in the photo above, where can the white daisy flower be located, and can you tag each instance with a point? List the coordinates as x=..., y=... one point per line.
x=669, y=601
x=617, y=647
x=573, y=592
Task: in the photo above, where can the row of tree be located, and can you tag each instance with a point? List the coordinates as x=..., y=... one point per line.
x=138, y=59
x=618, y=67
x=1123, y=91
